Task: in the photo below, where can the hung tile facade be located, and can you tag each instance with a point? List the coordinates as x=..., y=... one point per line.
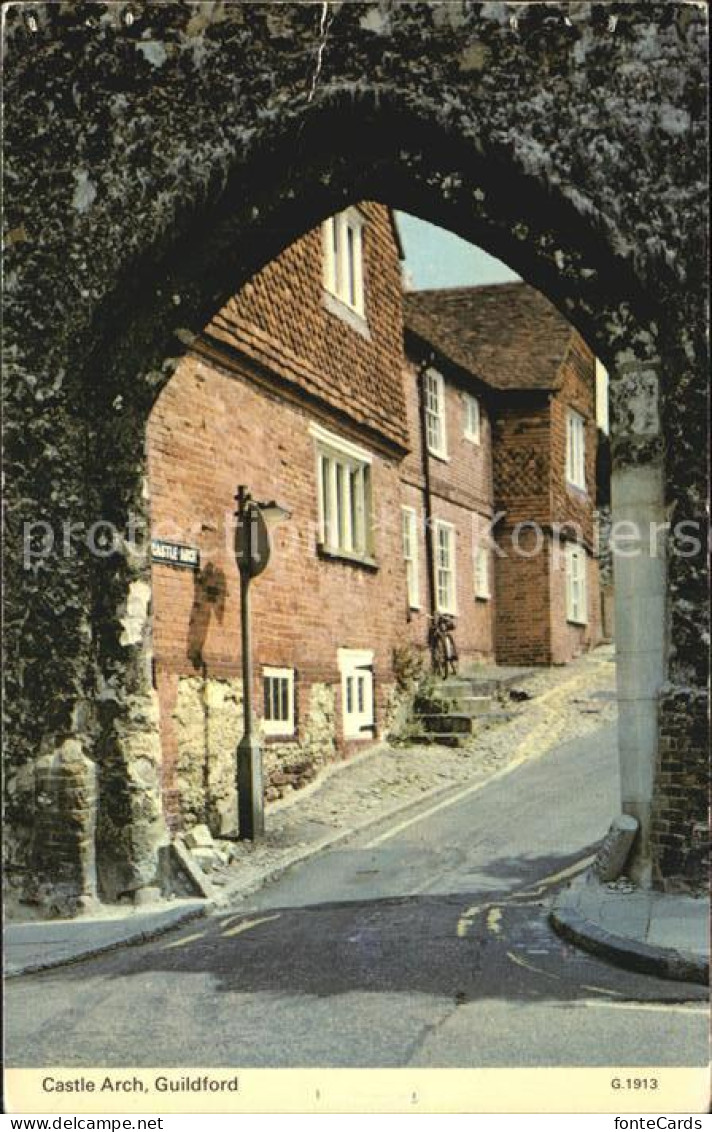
x=307, y=388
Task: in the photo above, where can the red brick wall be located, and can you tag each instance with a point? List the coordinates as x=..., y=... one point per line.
x=209, y=431
x=461, y=489
x=523, y=601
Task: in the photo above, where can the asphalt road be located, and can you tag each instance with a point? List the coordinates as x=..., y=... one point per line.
x=424, y=943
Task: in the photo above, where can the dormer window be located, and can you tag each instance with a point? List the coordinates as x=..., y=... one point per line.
x=343, y=258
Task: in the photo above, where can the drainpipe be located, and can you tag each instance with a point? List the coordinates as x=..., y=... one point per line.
x=425, y=454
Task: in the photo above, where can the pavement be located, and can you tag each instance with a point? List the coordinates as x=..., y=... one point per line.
x=662, y=934
x=39, y=945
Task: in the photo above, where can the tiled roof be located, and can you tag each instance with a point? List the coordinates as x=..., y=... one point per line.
x=507, y=334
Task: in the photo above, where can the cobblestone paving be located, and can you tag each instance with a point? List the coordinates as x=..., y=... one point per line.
x=566, y=703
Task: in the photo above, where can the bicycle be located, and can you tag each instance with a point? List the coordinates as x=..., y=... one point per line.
x=442, y=646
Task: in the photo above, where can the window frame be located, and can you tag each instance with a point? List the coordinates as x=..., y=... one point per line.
x=482, y=557
x=439, y=450
x=470, y=402
x=575, y=449
x=343, y=259
x=355, y=665
x=284, y=729
x=576, y=578
x=344, y=498
x=438, y=526
x=409, y=527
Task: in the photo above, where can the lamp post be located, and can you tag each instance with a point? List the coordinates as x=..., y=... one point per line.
x=252, y=553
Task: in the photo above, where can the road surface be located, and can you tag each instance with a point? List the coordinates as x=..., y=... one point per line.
x=423, y=943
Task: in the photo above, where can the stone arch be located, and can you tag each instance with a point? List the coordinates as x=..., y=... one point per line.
x=444, y=140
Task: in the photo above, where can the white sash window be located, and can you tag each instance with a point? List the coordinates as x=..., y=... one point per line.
x=343, y=258
x=410, y=556
x=344, y=484
x=445, y=567
x=576, y=602
x=576, y=450
x=435, y=430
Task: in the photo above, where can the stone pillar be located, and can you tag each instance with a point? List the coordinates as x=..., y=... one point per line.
x=64, y=863
x=639, y=571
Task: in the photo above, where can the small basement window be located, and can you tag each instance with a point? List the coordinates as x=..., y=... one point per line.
x=278, y=689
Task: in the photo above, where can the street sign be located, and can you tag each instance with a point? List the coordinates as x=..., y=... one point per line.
x=252, y=545
x=175, y=554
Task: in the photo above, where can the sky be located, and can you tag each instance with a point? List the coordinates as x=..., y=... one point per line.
x=436, y=258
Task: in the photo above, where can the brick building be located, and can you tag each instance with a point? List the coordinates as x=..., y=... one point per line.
x=296, y=390
x=392, y=450
x=448, y=500
x=502, y=356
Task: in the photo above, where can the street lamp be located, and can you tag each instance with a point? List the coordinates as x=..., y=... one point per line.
x=252, y=553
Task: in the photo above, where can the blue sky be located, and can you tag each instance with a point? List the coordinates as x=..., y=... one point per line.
x=436, y=258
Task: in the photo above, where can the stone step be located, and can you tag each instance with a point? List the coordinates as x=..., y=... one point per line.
x=442, y=739
x=454, y=723
x=462, y=697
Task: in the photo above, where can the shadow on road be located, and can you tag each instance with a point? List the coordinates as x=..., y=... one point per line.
x=413, y=944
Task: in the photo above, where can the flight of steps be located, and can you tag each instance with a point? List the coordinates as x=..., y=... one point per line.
x=449, y=712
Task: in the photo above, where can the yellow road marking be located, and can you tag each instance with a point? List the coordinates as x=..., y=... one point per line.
x=493, y=921
x=669, y=1007
x=186, y=939
x=530, y=966
x=247, y=925
x=463, y=924
x=465, y=920
x=602, y=990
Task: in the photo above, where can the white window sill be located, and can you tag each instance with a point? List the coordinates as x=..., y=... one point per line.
x=472, y=439
x=346, y=556
x=447, y=612
x=269, y=734
x=415, y=608
x=357, y=321
x=576, y=620
x=577, y=488
x=483, y=597
x=439, y=455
